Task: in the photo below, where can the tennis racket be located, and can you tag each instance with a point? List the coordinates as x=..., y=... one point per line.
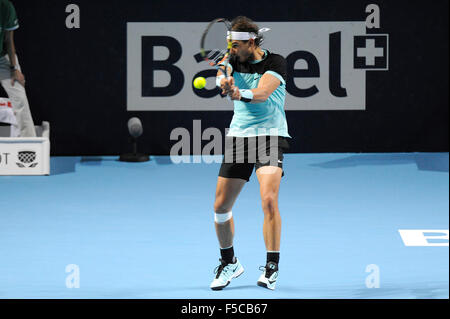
x=215, y=47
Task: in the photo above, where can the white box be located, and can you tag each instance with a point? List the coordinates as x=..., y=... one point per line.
x=25, y=155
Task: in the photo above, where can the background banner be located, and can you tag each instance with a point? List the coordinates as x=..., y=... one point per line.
x=350, y=88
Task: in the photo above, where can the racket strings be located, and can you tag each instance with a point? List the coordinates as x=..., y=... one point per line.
x=216, y=56
x=215, y=47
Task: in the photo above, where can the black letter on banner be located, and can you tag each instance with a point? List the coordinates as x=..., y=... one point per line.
x=312, y=71
x=149, y=66
x=204, y=92
x=210, y=73
x=335, y=66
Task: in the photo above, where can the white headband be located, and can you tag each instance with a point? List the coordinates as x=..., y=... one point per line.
x=243, y=36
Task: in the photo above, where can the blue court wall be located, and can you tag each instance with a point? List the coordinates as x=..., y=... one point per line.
x=77, y=78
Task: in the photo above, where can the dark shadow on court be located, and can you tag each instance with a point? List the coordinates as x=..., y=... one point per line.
x=432, y=162
x=437, y=162
x=92, y=160
x=63, y=165
x=96, y=160
x=162, y=160
x=111, y=161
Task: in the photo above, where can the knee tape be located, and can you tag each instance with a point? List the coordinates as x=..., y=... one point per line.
x=222, y=218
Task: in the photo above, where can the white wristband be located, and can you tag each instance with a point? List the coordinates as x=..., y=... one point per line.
x=246, y=95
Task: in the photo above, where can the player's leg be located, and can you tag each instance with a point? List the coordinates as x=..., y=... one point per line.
x=232, y=178
x=227, y=191
x=269, y=173
x=269, y=178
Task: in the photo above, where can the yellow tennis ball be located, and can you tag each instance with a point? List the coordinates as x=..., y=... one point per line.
x=200, y=82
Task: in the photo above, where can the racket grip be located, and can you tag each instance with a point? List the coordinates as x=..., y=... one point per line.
x=228, y=97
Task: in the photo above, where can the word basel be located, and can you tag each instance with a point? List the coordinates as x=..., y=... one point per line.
x=326, y=65
x=175, y=49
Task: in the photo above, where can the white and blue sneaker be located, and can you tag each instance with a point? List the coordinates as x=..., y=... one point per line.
x=268, y=278
x=225, y=273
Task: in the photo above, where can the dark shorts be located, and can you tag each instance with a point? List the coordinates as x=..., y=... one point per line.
x=242, y=154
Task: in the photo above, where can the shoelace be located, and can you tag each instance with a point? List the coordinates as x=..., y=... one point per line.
x=268, y=270
x=218, y=270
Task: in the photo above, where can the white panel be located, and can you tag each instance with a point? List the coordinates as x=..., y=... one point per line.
x=284, y=38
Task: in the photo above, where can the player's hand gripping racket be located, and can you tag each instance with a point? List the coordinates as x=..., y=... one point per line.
x=215, y=46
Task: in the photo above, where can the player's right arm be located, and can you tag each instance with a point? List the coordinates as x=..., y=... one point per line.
x=224, y=83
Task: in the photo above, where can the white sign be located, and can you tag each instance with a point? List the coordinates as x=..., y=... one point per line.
x=25, y=156
x=327, y=64
x=424, y=237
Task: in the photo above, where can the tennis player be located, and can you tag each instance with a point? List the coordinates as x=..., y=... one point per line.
x=257, y=86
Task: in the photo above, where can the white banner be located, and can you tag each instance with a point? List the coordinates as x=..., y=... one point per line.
x=327, y=64
x=25, y=156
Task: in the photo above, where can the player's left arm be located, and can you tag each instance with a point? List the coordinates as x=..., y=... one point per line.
x=268, y=83
x=266, y=86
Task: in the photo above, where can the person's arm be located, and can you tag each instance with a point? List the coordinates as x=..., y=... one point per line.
x=16, y=75
x=266, y=86
x=269, y=82
x=224, y=83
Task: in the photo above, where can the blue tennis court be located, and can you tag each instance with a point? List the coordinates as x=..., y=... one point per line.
x=146, y=230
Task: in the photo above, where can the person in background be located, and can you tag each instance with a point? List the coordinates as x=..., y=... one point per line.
x=11, y=77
